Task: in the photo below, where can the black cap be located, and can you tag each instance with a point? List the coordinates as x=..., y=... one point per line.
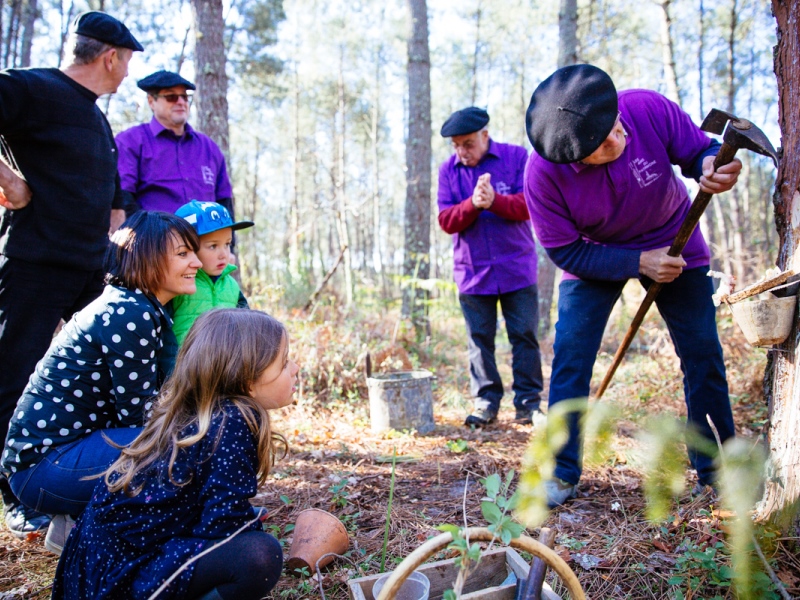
x=104, y=27
x=571, y=113
x=465, y=121
x=163, y=79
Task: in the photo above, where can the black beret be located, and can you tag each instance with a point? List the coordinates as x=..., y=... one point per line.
x=163, y=79
x=571, y=113
x=104, y=27
x=465, y=121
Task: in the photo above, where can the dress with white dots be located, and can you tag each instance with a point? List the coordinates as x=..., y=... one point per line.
x=100, y=372
x=125, y=547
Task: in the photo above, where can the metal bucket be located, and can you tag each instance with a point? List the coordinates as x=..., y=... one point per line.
x=401, y=400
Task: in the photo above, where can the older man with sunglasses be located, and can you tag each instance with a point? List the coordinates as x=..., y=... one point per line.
x=166, y=163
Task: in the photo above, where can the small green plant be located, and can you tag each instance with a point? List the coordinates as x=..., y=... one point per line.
x=457, y=446
x=496, y=507
x=340, y=495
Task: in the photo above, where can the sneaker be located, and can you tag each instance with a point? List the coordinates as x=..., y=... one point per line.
x=701, y=489
x=21, y=520
x=558, y=492
x=530, y=416
x=58, y=532
x=481, y=417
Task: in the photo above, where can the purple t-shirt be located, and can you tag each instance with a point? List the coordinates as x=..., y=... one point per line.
x=636, y=202
x=164, y=171
x=493, y=255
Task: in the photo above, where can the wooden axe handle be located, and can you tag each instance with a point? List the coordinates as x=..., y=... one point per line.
x=701, y=200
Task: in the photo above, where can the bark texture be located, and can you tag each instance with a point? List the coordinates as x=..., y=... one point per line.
x=567, y=55
x=416, y=265
x=782, y=492
x=210, y=78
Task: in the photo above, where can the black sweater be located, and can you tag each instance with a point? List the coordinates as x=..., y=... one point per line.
x=64, y=147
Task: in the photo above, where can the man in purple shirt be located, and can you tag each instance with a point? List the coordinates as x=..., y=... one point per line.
x=606, y=205
x=165, y=163
x=481, y=204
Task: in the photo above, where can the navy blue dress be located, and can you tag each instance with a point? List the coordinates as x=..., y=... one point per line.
x=126, y=547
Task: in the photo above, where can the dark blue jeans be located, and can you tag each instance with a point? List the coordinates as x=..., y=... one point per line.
x=521, y=312
x=686, y=306
x=56, y=485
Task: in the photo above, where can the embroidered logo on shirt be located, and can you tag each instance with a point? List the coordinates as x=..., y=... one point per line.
x=208, y=175
x=641, y=171
x=502, y=187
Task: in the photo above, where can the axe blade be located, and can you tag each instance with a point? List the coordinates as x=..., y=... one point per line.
x=740, y=133
x=716, y=119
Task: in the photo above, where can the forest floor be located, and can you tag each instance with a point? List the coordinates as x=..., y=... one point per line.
x=338, y=464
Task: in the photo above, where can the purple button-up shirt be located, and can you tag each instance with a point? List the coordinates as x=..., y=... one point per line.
x=493, y=255
x=636, y=201
x=164, y=171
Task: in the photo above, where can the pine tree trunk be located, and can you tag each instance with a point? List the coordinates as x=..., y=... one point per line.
x=416, y=264
x=668, y=53
x=782, y=382
x=210, y=77
x=30, y=12
x=567, y=55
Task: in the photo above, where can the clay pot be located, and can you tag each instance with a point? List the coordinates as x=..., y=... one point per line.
x=316, y=533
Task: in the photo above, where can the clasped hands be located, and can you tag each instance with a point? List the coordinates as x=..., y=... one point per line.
x=483, y=195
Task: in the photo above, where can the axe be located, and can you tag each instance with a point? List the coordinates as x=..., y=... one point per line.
x=740, y=133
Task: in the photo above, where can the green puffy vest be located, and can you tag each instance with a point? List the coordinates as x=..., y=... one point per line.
x=222, y=293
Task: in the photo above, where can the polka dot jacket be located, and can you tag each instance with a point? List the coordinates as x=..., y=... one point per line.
x=126, y=547
x=100, y=372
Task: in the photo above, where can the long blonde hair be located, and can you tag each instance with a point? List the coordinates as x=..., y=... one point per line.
x=224, y=353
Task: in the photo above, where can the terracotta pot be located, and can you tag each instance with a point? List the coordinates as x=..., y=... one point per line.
x=316, y=533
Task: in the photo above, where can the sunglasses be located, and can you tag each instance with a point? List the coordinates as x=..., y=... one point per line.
x=173, y=98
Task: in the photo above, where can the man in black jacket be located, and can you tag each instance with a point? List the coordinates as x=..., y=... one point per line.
x=58, y=185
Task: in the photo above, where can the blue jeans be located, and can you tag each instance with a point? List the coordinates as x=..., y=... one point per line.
x=685, y=304
x=521, y=312
x=56, y=485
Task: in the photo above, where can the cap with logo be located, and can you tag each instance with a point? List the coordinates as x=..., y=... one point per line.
x=207, y=217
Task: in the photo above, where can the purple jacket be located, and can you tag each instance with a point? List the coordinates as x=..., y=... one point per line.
x=493, y=250
x=164, y=171
x=636, y=202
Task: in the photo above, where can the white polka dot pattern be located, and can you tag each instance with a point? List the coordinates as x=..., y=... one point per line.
x=104, y=361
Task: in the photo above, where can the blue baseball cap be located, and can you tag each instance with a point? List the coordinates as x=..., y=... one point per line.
x=207, y=217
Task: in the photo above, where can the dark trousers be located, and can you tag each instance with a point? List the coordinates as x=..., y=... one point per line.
x=63, y=481
x=246, y=568
x=686, y=306
x=33, y=299
x=521, y=313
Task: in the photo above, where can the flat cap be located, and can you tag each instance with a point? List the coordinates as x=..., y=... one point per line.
x=465, y=121
x=104, y=27
x=571, y=113
x=163, y=79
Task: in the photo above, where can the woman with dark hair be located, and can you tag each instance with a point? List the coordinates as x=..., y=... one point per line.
x=98, y=379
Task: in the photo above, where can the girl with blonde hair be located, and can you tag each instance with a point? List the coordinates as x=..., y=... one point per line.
x=184, y=484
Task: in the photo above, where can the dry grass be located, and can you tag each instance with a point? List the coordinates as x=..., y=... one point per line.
x=338, y=464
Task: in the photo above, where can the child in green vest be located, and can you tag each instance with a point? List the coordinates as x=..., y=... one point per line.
x=215, y=286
